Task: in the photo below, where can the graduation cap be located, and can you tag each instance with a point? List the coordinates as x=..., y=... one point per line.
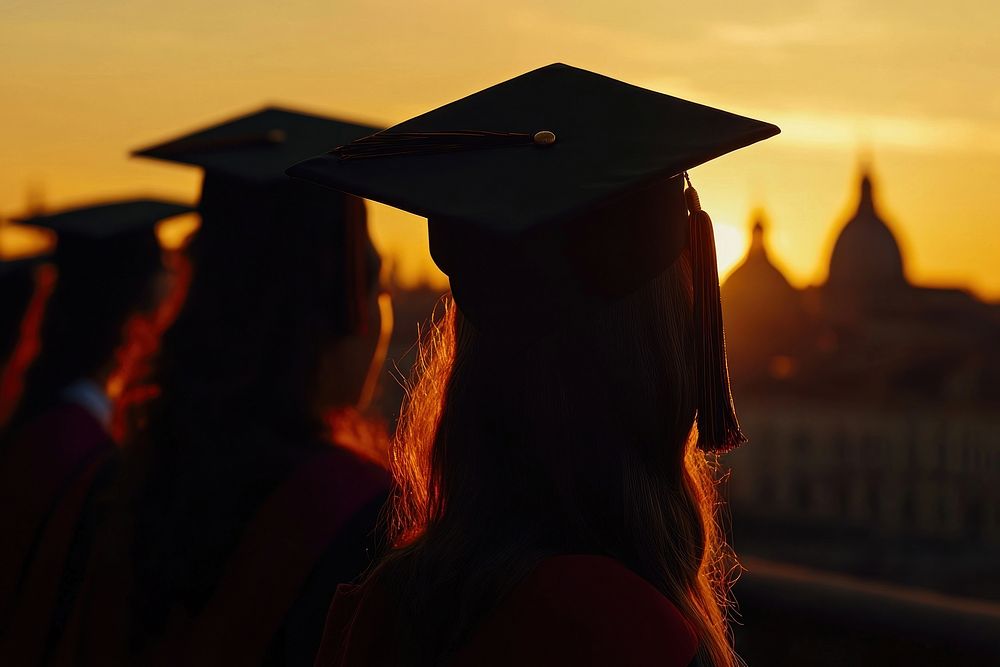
x=107, y=239
x=556, y=190
x=108, y=220
x=246, y=193
x=109, y=267
x=257, y=147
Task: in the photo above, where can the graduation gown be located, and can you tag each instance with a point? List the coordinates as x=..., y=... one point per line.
x=49, y=475
x=269, y=603
x=570, y=610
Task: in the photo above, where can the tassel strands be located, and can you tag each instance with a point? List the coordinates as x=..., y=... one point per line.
x=718, y=427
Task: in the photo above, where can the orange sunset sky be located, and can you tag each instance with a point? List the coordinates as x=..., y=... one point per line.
x=913, y=84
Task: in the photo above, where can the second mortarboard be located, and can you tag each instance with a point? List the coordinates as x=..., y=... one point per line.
x=259, y=146
x=556, y=190
x=246, y=196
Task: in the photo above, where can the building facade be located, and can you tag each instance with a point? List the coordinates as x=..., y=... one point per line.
x=872, y=404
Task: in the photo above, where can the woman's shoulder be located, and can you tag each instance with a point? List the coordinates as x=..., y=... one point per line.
x=569, y=610
x=584, y=609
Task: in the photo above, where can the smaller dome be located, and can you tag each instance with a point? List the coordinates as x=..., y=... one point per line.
x=756, y=275
x=764, y=314
x=866, y=255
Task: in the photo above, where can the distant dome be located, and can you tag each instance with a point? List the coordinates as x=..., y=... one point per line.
x=866, y=254
x=756, y=275
x=764, y=314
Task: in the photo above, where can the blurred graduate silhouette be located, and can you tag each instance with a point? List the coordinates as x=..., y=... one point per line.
x=231, y=513
x=57, y=444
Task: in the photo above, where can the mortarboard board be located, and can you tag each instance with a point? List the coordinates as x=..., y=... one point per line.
x=116, y=237
x=555, y=190
x=610, y=137
x=257, y=147
x=108, y=220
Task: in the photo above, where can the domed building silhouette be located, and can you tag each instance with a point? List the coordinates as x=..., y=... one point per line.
x=756, y=278
x=866, y=254
x=867, y=274
x=767, y=312
x=872, y=405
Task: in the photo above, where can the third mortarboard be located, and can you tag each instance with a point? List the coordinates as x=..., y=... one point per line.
x=555, y=190
x=108, y=220
x=110, y=236
x=108, y=259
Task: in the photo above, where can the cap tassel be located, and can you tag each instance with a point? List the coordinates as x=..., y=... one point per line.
x=718, y=427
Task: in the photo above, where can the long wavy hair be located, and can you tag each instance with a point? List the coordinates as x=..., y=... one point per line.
x=235, y=382
x=580, y=441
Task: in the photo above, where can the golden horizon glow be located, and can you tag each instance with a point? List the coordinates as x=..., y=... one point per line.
x=910, y=84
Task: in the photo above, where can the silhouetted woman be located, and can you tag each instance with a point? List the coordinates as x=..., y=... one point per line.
x=240, y=514
x=58, y=443
x=556, y=505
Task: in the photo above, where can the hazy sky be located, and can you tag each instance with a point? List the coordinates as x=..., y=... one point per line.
x=83, y=81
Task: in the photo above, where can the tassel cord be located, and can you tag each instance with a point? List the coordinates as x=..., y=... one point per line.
x=718, y=427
